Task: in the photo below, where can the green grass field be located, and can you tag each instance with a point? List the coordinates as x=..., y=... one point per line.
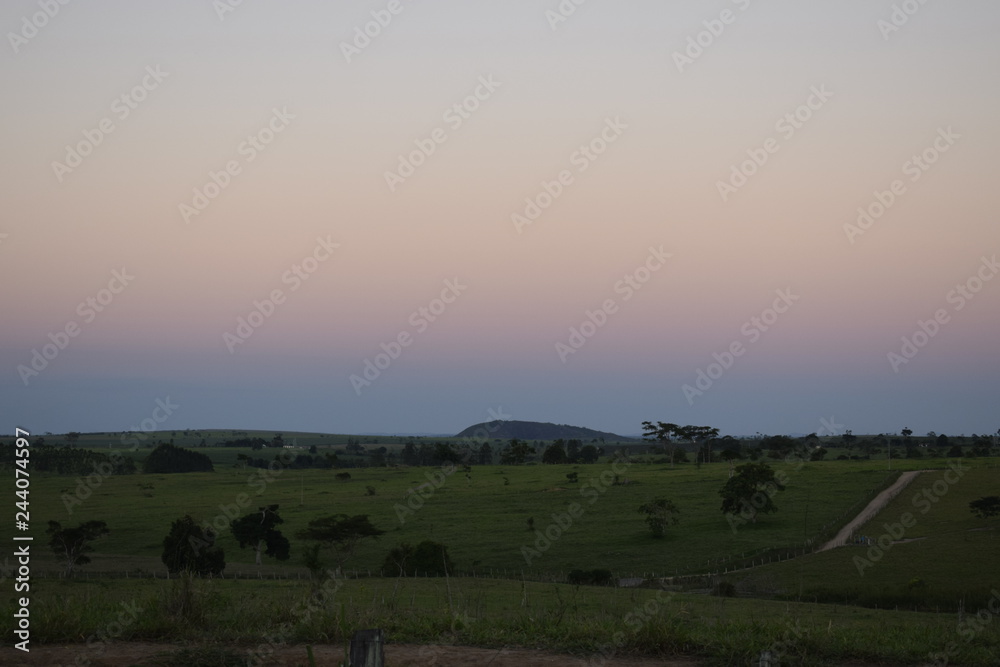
x=946, y=554
x=482, y=518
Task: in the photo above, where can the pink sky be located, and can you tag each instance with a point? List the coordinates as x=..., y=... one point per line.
x=340, y=126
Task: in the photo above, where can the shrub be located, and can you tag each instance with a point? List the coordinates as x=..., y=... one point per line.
x=724, y=589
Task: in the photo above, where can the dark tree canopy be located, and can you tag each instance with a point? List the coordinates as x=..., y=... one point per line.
x=666, y=433
x=257, y=530
x=67, y=461
x=340, y=533
x=750, y=490
x=71, y=545
x=986, y=507
x=517, y=453
x=589, y=454
x=189, y=548
x=169, y=459
x=554, y=453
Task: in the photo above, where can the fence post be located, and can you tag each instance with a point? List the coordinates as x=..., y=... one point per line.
x=366, y=648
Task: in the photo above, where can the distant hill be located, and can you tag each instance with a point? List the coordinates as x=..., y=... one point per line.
x=505, y=430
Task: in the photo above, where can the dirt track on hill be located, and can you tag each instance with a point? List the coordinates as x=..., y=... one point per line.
x=874, y=507
x=125, y=654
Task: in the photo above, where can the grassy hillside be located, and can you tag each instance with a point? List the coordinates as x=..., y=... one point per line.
x=482, y=516
x=945, y=554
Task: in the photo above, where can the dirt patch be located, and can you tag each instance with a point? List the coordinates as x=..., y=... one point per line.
x=124, y=654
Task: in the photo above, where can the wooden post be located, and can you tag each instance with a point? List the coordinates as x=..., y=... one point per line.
x=366, y=648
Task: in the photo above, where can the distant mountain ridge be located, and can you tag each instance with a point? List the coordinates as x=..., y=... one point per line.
x=505, y=430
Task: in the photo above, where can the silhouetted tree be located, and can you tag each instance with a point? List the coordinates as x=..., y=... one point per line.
x=341, y=534
x=554, y=453
x=71, y=545
x=257, y=530
x=750, y=490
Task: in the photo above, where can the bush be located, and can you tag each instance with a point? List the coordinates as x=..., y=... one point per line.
x=724, y=589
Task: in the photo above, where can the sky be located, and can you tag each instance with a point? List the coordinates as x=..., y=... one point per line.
x=410, y=217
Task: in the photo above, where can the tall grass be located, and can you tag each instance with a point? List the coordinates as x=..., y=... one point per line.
x=583, y=621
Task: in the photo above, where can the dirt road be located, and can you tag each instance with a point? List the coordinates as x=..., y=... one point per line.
x=873, y=508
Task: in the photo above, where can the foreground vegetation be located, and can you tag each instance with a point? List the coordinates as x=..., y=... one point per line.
x=589, y=622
